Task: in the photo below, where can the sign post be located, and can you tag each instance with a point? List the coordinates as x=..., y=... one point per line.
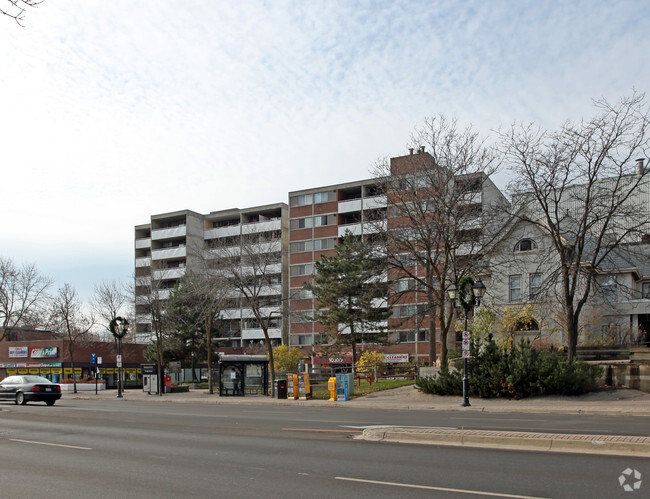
x=93, y=361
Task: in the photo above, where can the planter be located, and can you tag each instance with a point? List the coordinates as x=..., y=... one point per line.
x=82, y=387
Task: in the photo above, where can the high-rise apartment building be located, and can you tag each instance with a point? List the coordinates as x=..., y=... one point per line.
x=173, y=243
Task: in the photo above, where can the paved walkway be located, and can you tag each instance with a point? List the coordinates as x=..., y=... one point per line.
x=607, y=402
x=613, y=402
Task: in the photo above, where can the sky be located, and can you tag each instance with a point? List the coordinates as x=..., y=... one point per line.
x=111, y=112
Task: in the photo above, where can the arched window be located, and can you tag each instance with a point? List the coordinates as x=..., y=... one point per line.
x=525, y=245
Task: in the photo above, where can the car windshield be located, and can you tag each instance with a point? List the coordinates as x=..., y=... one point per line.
x=35, y=379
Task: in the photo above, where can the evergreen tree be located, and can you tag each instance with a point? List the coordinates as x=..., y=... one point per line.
x=351, y=289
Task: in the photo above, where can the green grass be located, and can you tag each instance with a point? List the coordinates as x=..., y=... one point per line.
x=321, y=392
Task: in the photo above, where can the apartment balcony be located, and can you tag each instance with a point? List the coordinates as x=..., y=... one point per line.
x=175, y=273
x=363, y=228
x=271, y=268
x=217, y=232
x=166, y=253
x=349, y=206
x=143, y=243
x=170, y=233
x=258, y=334
x=231, y=313
x=143, y=262
x=375, y=202
x=264, y=226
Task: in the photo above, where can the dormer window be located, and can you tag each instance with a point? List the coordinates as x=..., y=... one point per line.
x=525, y=245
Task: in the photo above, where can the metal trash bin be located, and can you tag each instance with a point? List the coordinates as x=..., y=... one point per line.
x=281, y=388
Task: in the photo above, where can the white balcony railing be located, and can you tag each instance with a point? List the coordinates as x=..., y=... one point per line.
x=258, y=334
x=163, y=254
x=143, y=243
x=350, y=206
x=265, y=226
x=375, y=202
x=143, y=262
x=175, y=273
x=170, y=233
x=217, y=232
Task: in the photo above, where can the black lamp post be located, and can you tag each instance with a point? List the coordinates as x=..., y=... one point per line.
x=119, y=328
x=466, y=298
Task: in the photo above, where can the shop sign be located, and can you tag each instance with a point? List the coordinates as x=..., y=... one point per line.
x=34, y=370
x=18, y=351
x=45, y=370
x=67, y=370
x=43, y=353
x=57, y=370
x=12, y=370
x=396, y=358
x=23, y=370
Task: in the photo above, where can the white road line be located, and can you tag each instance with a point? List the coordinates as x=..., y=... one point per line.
x=429, y=487
x=399, y=426
x=50, y=444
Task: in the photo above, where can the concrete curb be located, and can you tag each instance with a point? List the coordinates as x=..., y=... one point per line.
x=620, y=445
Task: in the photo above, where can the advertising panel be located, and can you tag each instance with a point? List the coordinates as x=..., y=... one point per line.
x=18, y=351
x=44, y=353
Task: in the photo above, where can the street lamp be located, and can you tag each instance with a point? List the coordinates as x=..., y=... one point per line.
x=466, y=296
x=119, y=328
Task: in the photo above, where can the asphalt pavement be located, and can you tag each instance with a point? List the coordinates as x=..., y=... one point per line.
x=606, y=402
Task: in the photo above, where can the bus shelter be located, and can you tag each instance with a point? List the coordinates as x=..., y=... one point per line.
x=241, y=375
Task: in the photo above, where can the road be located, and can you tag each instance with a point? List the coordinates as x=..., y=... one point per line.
x=112, y=448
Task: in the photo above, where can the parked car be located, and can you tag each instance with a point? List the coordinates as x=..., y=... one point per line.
x=23, y=389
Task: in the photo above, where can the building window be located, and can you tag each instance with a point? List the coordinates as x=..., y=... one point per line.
x=525, y=245
x=324, y=197
x=305, y=269
x=304, y=339
x=324, y=220
x=300, y=223
x=301, y=200
x=534, y=286
x=646, y=291
x=301, y=294
x=515, y=288
x=608, y=286
x=324, y=244
x=301, y=246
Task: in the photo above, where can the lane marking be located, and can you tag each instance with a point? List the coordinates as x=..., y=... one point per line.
x=316, y=429
x=401, y=426
x=50, y=444
x=440, y=489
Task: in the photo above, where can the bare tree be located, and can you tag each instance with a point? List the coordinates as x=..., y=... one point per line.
x=151, y=300
x=437, y=216
x=108, y=301
x=208, y=289
x=23, y=292
x=17, y=9
x=251, y=269
x=584, y=192
x=68, y=321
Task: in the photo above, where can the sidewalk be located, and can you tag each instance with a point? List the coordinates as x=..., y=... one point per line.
x=609, y=402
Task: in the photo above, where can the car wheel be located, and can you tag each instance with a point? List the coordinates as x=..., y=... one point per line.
x=20, y=398
x=50, y=402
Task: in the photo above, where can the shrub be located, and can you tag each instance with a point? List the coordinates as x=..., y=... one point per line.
x=517, y=372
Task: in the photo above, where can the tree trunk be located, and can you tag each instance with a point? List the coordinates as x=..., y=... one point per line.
x=431, y=305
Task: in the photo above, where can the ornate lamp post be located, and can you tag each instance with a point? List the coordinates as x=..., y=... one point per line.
x=466, y=296
x=119, y=328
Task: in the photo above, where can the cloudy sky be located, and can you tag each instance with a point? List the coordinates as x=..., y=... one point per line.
x=113, y=111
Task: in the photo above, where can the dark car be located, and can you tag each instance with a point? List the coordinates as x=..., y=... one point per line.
x=22, y=389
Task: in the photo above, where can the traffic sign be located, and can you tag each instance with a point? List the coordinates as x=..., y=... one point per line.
x=466, y=354
x=465, y=344
x=119, y=361
x=93, y=358
x=466, y=335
